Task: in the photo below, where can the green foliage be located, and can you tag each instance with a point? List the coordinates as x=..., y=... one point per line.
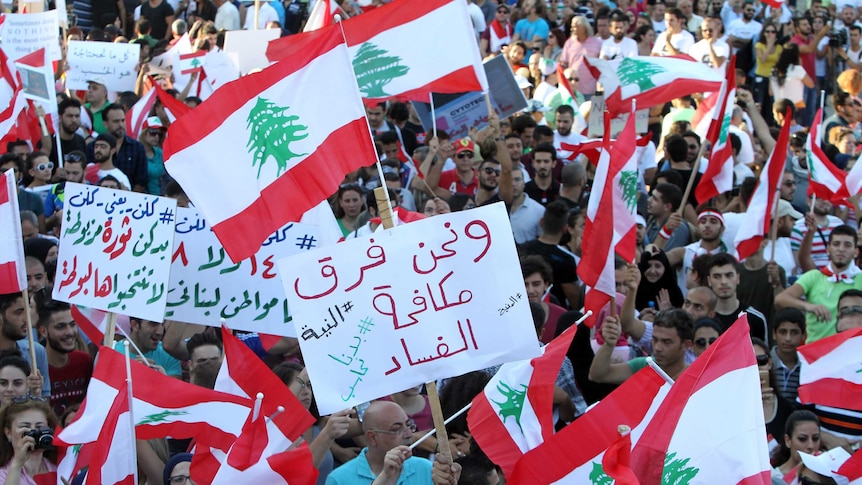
x=160, y=417
x=374, y=70
x=271, y=131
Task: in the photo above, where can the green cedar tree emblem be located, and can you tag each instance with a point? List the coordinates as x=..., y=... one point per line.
x=514, y=404
x=374, y=69
x=633, y=71
x=272, y=131
x=725, y=126
x=629, y=186
x=161, y=417
x=675, y=472
x=811, y=164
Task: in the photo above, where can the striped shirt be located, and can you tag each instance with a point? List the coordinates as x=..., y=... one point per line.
x=786, y=379
x=821, y=239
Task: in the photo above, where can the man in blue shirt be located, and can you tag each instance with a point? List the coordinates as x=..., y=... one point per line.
x=147, y=336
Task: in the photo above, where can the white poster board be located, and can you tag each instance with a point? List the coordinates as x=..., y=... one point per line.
x=427, y=300
x=23, y=33
x=206, y=286
x=250, y=47
x=114, y=63
x=115, y=251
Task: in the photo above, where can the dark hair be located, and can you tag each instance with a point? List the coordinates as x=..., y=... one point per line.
x=200, y=339
x=844, y=230
x=564, y=109
x=459, y=391
x=722, y=259
x=795, y=315
x=287, y=371
x=642, y=31
x=545, y=148
x=554, y=220
x=111, y=178
x=48, y=308
x=14, y=360
x=538, y=313
x=173, y=189
x=143, y=26
x=388, y=137
x=676, y=13
x=671, y=177
x=789, y=57
x=559, y=35
x=536, y=264
x=542, y=130
x=676, y=147
x=459, y=200
x=398, y=111
x=66, y=104
x=707, y=322
x=109, y=108
x=75, y=156
x=670, y=194
x=9, y=299
x=796, y=417
x=339, y=212
x=519, y=124
x=13, y=409
x=127, y=99
x=678, y=319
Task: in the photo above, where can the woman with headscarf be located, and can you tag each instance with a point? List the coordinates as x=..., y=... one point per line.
x=658, y=286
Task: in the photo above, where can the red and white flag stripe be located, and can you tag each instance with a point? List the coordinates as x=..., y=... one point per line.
x=825, y=180
x=831, y=371
x=13, y=274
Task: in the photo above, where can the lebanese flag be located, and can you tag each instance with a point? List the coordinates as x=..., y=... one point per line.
x=617, y=460
x=174, y=108
x=320, y=16
x=825, y=180
x=854, y=178
x=10, y=95
x=192, y=62
x=592, y=148
x=611, y=229
x=391, y=54
x=139, y=112
x=830, y=371
x=563, y=83
x=91, y=321
x=281, y=145
x=651, y=80
x=13, y=274
x=718, y=176
x=764, y=198
x=35, y=63
x=566, y=457
x=514, y=413
x=293, y=467
x=852, y=469
x=710, y=427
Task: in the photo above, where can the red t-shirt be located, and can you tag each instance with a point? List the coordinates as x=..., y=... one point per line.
x=805, y=60
x=69, y=383
x=450, y=181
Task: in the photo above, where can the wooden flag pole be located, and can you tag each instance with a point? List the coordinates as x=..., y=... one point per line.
x=256, y=13
x=109, y=330
x=773, y=229
x=694, y=168
x=30, y=340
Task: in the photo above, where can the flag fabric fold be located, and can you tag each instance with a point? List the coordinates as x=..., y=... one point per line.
x=765, y=196
x=287, y=145
x=718, y=176
x=825, y=180
x=830, y=374
x=13, y=273
x=139, y=112
x=617, y=461
x=12, y=102
x=514, y=413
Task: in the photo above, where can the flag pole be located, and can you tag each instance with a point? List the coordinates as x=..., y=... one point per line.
x=659, y=370
x=256, y=13
x=813, y=200
x=694, y=170
x=773, y=230
x=109, y=330
x=30, y=341
x=448, y=420
x=131, y=395
x=433, y=116
x=128, y=339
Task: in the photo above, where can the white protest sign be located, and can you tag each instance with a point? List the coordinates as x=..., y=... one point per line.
x=206, y=286
x=250, y=47
x=106, y=61
x=115, y=251
x=431, y=299
x=23, y=33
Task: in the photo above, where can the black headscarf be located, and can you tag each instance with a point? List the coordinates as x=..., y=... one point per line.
x=648, y=292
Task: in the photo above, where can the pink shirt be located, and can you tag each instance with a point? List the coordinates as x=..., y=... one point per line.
x=573, y=55
x=26, y=479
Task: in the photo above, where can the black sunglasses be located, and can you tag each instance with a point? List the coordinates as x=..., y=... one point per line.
x=701, y=342
x=762, y=360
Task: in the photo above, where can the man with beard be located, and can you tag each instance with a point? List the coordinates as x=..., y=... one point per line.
x=525, y=212
x=130, y=158
x=710, y=225
x=205, y=358
x=543, y=188
x=808, y=42
x=13, y=336
x=822, y=288
x=69, y=111
x=568, y=130
x=741, y=33
x=147, y=337
x=494, y=186
x=103, y=149
x=69, y=369
x=618, y=45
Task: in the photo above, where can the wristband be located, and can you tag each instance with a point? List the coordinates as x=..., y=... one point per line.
x=664, y=234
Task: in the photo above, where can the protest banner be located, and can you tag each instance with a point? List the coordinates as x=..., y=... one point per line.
x=597, y=115
x=25, y=33
x=206, y=286
x=116, y=249
x=37, y=80
x=458, y=113
x=406, y=306
x=114, y=63
x=250, y=47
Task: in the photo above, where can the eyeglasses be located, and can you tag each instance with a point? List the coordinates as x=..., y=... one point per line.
x=495, y=171
x=45, y=166
x=762, y=360
x=701, y=342
x=155, y=132
x=180, y=479
x=407, y=425
x=502, y=10
x=706, y=30
x=465, y=155
x=26, y=398
x=303, y=384
x=769, y=31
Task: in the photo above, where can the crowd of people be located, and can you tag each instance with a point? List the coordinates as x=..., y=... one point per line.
x=684, y=289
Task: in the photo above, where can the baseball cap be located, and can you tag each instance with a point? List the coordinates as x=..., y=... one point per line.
x=465, y=145
x=97, y=80
x=153, y=122
x=785, y=209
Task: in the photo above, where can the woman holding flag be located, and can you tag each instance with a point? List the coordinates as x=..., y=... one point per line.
x=23, y=455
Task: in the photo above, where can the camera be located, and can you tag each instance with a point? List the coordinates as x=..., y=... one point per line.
x=837, y=37
x=44, y=437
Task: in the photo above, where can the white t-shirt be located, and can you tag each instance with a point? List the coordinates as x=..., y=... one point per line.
x=117, y=174
x=746, y=152
x=625, y=48
x=572, y=138
x=683, y=41
x=792, y=88
x=700, y=52
x=227, y=17
x=659, y=26
x=266, y=15
x=741, y=29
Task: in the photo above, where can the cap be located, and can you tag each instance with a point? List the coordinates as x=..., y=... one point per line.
x=523, y=83
x=465, y=145
x=535, y=106
x=548, y=66
x=107, y=138
x=639, y=220
x=97, y=80
x=153, y=122
x=785, y=209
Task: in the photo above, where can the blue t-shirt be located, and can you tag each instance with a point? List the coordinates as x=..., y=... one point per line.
x=529, y=30
x=416, y=471
x=160, y=356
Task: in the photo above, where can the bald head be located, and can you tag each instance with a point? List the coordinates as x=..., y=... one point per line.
x=381, y=415
x=700, y=302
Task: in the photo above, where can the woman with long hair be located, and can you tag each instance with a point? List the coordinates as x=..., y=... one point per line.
x=801, y=433
x=767, y=50
x=348, y=206
x=789, y=78
x=23, y=455
x=152, y=135
x=645, y=37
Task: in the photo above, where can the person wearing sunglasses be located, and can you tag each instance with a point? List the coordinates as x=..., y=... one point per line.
x=177, y=470
x=151, y=137
x=801, y=433
x=776, y=409
x=40, y=170
x=710, y=49
x=706, y=332
x=20, y=454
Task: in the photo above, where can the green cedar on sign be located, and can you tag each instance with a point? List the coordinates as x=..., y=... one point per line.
x=271, y=131
x=374, y=69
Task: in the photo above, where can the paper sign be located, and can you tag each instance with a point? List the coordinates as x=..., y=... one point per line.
x=37, y=83
x=427, y=300
x=115, y=251
x=111, y=62
x=250, y=47
x=24, y=33
x=597, y=124
x=206, y=286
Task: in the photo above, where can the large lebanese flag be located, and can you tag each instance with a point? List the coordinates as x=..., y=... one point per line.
x=710, y=427
x=567, y=457
x=504, y=430
x=610, y=224
x=718, y=176
x=830, y=373
x=13, y=275
x=651, y=80
x=825, y=180
x=290, y=149
x=765, y=197
x=397, y=50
